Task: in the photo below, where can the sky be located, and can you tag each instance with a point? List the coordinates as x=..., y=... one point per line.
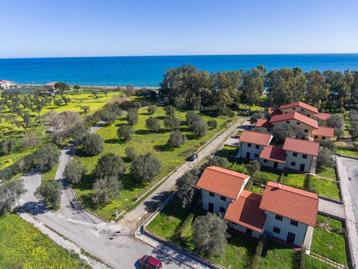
x=60, y=28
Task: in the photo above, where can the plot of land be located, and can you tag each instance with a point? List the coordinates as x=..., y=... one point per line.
x=23, y=246
x=143, y=141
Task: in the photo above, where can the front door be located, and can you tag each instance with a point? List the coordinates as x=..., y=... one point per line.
x=291, y=237
x=247, y=155
x=275, y=165
x=211, y=208
x=302, y=167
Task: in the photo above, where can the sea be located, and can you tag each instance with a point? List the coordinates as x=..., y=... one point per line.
x=147, y=71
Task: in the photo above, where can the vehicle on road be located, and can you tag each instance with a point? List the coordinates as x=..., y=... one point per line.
x=192, y=157
x=149, y=262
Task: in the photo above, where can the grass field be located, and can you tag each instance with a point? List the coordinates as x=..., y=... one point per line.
x=325, y=188
x=328, y=172
x=328, y=240
x=23, y=246
x=347, y=153
x=143, y=141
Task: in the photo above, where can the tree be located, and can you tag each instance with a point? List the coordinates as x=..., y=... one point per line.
x=145, y=167
x=329, y=144
x=218, y=161
x=256, y=116
x=171, y=123
x=152, y=124
x=199, y=127
x=109, y=166
x=317, y=89
x=92, y=144
x=176, y=139
x=252, y=167
x=209, y=235
x=325, y=158
x=129, y=90
x=77, y=132
x=336, y=121
x=74, y=171
x=186, y=187
x=130, y=153
x=30, y=139
x=152, y=109
x=212, y=124
x=10, y=192
x=339, y=89
x=104, y=190
x=46, y=157
x=26, y=120
x=170, y=111
x=85, y=109
x=50, y=193
x=252, y=86
x=124, y=132
x=190, y=117
x=281, y=131
x=61, y=87
x=132, y=116
x=108, y=115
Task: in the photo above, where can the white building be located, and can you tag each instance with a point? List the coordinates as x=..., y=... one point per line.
x=252, y=143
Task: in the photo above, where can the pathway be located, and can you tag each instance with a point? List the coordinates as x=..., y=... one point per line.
x=331, y=208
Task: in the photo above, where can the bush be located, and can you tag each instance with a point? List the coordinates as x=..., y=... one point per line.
x=152, y=124
x=190, y=117
x=176, y=139
x=152, y=109
x=50, y=193
x=258, y=253
x=171, y=123
x=92, y=144
x=145, y=167
x=74, y=171
x=308, y=184
x=109, y=166
x=217, y=161
x=253, y=166
x=132, y=116
x=199, y=127
x=212, y=124
x=130, y=153
x=124, y=132
x=256, y=116
x=209, y=235
x=325, y=158
x=281, y=131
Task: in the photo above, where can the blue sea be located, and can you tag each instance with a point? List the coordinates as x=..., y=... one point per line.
x=148, y=70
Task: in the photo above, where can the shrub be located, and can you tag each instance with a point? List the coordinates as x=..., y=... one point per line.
x=212, y=124
x=50, y=193
x=145, y=167
x=10, y=192
x=199, y=127
x=176, y=139
x=152, y=109
x=130, y=153
x=132, y=116
x=258, y=253
x=152, y=124
x=104, y=190
x=171, y=123
x=325, y=158
x=109, y=166
x=46, y=157
x=74, y=171
x=124, y=132
x=92, y=144
x=217, y=161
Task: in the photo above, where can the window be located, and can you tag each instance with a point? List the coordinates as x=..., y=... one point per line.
x=316, y=136
x=304, y=156
x=298, y=123
x=257, y=146
x=222, y=210
x=278, y=217
x=309, y=115
x=249, y=145
x=293, y=108
x=256, y=155
x=323, y=138
x=265, y=161
x=306, y=131
x=293, y=163
x=294, y=154
x=288, y=122
x=293, y=222
x=302, y=109
x=276, y=230
x=223, y=198
x=211, y=194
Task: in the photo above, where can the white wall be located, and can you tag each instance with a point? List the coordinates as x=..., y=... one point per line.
x=299, y=110
x=285, y=226
x=298, y=128
x=298, y=161
x=206, y=199
x=242, y=229
x=244, y=148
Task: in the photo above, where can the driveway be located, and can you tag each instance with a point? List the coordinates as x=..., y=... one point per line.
x=348, y=179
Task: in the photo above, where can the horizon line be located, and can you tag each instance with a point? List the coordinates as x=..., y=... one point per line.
x=179, y=55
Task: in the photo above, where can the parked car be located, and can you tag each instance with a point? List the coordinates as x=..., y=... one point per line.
x=149, y=262
x=192, y=157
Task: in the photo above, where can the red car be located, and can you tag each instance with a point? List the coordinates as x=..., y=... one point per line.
x=149, y=262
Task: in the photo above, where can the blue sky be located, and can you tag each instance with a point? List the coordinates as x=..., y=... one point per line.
x=57, y=28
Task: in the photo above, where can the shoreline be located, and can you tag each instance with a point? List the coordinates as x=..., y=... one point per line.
x=87, y=86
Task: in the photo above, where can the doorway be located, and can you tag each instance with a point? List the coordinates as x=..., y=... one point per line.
x=291, y=237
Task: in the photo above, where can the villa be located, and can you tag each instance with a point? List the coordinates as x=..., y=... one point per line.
x=282, y=212
x=252, y=143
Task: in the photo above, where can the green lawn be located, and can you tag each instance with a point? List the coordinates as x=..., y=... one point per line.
x=256, y=189
x=11, y=158
x=325, y=188
x=328, y=240
x=328, y=172
x=265, y=176
x=278, y=256
x=312, y=263
x=295, y=180
x=50, y=175
x=347, y=153
x=23, y=246
x=142, y=141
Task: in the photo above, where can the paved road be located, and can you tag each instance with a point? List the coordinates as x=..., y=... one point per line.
x=133, y=218
x=331, y=208
x=348, y=179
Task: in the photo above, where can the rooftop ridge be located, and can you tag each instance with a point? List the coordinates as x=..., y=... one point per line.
x=292, y=190
x=227, y=171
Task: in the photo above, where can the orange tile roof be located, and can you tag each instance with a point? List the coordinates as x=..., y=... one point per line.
x=255, y=138
x=324, y=131
x=289, y=202
x=262, y=123
x=246, y=211
x=301, y=146
x=323, y=116
x=221, y=181
x=296, y=116
x=301, y=105
x=273, y=153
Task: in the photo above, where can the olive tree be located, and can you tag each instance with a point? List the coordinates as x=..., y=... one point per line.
x=152, y=124
x=9, y=193
x=199, y=127
x=46, y=157
x=186, y=187
x=109, y=166
x=74, y=171
x=124, y=132
x=132, y=116
x=50, y=193
x=145, y=167
x=152, y=109
x=130, y=153
x=176, y=139
x=104, y=190
x=92, y=144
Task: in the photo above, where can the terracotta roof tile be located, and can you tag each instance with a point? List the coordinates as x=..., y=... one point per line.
x=323, y=116
x=289, y=202
x=273, y=153
x=301, y=146
x=262, y=123
x=295, y=116
x=221, y=181
x=246, y=211
x=301, y=105
x=255, y=138
x=324, y=131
